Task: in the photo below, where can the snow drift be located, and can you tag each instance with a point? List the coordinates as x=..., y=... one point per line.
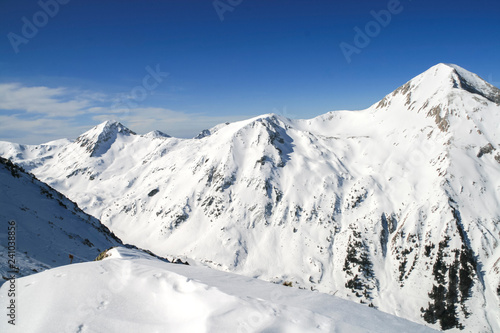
x=130, y=291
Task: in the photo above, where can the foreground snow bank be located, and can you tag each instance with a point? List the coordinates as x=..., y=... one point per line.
x=130, y=291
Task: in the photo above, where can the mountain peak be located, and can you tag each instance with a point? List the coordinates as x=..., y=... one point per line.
x=441, y=91
x=156, y=134
x=99, y=139
x=446, y=77
x=109, y=124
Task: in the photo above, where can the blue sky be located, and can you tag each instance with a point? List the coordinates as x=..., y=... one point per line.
x=226, y=60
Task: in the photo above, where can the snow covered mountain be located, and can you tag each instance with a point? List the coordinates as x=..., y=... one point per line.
x=130, y=291
x=397, y=205
x=47, y=226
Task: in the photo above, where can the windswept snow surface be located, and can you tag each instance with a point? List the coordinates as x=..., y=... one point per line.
x=133, y=292
x=397, y=205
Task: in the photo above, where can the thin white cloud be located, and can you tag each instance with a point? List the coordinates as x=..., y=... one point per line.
x=52, y=102
x=39, y=114
x=36, y=131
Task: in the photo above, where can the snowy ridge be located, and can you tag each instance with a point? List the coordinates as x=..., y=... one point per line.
x=132, y=292
x=49, y=227
x=208, y=132
x=396, y=206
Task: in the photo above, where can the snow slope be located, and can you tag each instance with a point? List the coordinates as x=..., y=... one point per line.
x=397, y=205
x=133, y=292
x=48, y=226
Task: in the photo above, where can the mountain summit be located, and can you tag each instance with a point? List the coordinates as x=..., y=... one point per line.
x=395, y=206
x=99, y=139
x=446, y=79
x=442, y=91
x=472, y=83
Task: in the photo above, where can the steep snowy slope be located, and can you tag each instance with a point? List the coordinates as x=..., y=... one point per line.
x=132, y=292
x=397, y=205
x=47, y=227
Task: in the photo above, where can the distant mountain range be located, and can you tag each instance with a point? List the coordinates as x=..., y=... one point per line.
x=396, y=206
